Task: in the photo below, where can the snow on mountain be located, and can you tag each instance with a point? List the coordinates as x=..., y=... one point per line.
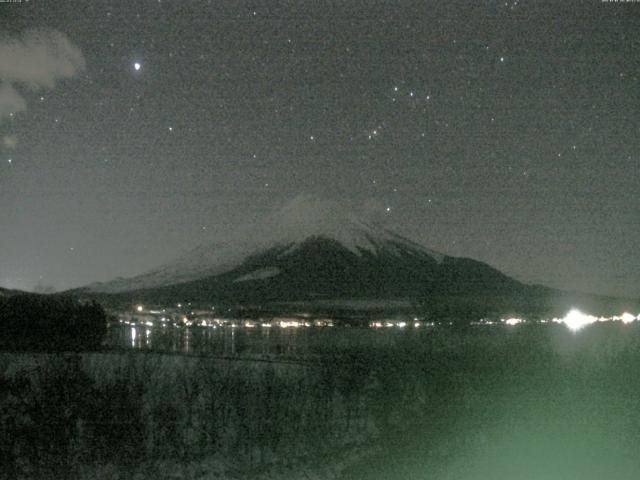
x=307, y=216
x=203, y=261
x=302, y=218
x=259, y=274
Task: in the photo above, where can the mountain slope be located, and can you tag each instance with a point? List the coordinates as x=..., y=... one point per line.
x=321, y=268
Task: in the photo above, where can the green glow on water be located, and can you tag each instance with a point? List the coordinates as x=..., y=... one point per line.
x=554, y=448
x=547, y=404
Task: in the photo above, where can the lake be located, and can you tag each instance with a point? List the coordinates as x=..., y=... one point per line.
x=258, y=341
x=505, y=401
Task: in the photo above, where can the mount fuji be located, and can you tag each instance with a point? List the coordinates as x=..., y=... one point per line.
x=266, y=250
x=317, y=251
x=310, y=250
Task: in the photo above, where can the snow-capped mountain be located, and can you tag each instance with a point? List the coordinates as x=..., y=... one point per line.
x=311, y=250
x=315, y=254
x=287, y=230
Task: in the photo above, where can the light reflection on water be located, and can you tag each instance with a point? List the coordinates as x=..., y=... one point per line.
x=213, y=341
x=133, y=337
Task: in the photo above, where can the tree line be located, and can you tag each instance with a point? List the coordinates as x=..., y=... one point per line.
x=50, y=323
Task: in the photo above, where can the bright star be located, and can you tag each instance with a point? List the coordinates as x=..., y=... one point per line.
x=137, y=66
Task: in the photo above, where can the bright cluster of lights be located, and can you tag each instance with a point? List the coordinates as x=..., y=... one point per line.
x=293, y=323
x=513, y=321
x=397, y=323
x=576, y=320
x=627, y=318
x=142, y=315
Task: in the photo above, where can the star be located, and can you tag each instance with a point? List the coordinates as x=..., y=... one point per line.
x=10, y=161
x=137, y=66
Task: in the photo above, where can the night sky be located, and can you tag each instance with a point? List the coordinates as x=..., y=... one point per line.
x=509, y=132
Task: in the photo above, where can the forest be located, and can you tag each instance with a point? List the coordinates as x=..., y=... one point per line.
x=50, y=323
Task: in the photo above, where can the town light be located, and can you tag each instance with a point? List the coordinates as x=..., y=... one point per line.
x=626, y=317
x=575, y=320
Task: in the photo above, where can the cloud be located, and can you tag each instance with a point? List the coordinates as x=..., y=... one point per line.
x=10, y=142
x=35, y=60
x=374, y=211
x=10, y=101
x=39, y=58
x=308, y=212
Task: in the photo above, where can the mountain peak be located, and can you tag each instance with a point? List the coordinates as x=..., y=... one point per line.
x=308, y=216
